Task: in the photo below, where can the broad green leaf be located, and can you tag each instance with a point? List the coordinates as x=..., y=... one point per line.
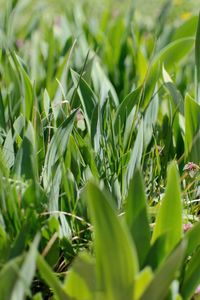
x=186, y=29
x=150, y=119
x=142, y=281
x=16, y=276
x=61, y=69
x=102, y=84
x=136, y=216
x=8, y=277
x=192, y=129
x=27, y=272
x=159, y=285
x=192, y=276
x=176, y=97
x=80, y=283
x=169, y=218
x=197, y=61
x=116, y=260
x=149, y=84
x=174, y=52
x=87, y=97
x=26, y=163
x=125, y=108
x=156, y=253
x=193, y=239
x=38, y=296
x=50, y=278
x=174, y=92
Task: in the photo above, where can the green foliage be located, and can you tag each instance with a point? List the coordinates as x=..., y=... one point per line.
x=94, y=133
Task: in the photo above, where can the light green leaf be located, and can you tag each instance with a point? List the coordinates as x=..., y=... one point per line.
x=159, y=285
x=192, y=129
x=142, y=281
x=169, y=218
x=197, y=61
x=116, y=260
x=136, y=155
x=80, y=283
x=57, y=147
x=50, y=278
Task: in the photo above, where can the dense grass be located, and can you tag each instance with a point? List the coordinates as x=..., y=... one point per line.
x=99, y=119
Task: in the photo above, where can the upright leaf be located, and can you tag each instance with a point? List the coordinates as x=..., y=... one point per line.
x=28, y=91
x=57, y=147
x=169, y=218
x=197, y=61
x=80, y=283
x=192, y=129
x=116, y=260
x=159, y=286
x=50, y=278
x=136, y=216
x=192, y=276
x=136, y=154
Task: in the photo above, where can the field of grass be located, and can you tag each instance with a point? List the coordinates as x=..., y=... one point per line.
x=99, y=150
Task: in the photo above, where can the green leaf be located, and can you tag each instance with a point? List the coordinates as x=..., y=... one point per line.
x=197, y=61
x=57, y=148
x=27, y=272
x=169, y=218
x=61, y=69
x=174, y=52
x=26, y=163
x=87, y=97
x=159, y=285
x=125, y=108
x=116, y=260
x=136, y=216
x=16, y=276
x=2, y=113
x=80, y=283
x=8, y=276
x=186, y=29
x=192, y=276
x=8, y=149
x=27, y=104
x=192, y=129
x=136, y=155
x=193, y=239
x=142, y=281
x=50, y=278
